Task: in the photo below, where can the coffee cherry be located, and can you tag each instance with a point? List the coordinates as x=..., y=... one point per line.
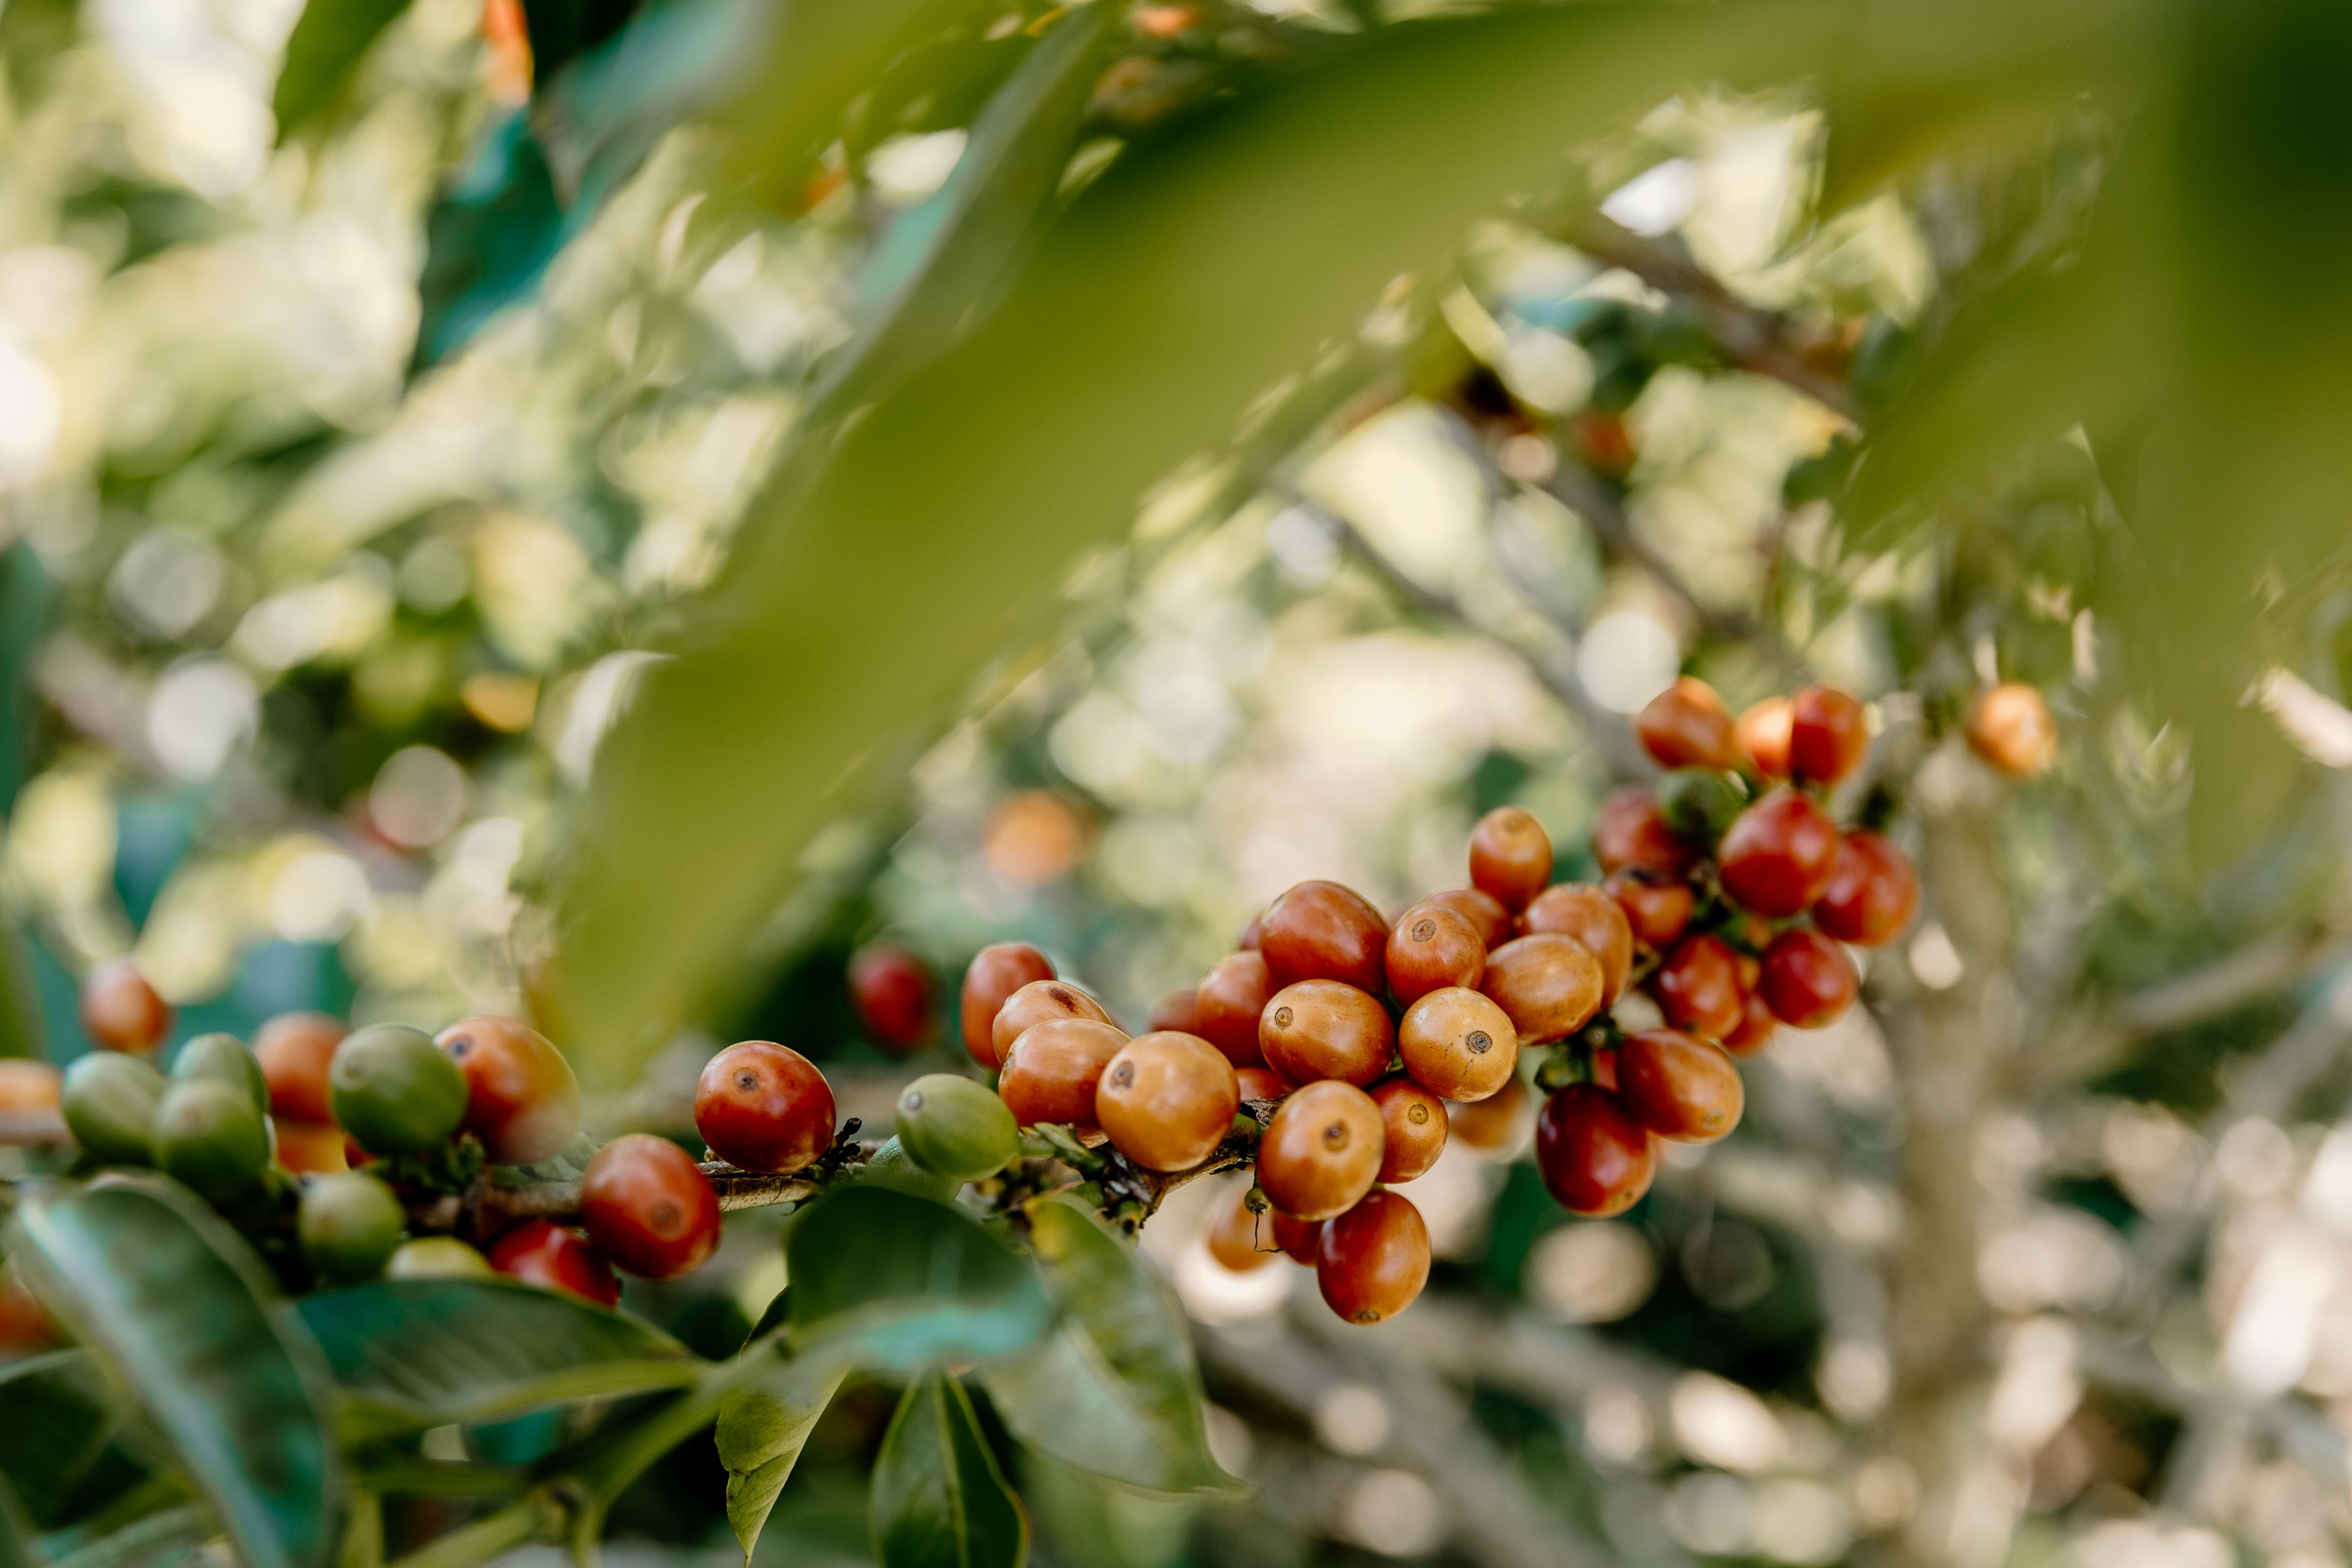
x=1247, y=942
x=1167, y=1100
x=1052, y=1070
x=121, y=1011
x=1698, y=804
x=28, y=1085
x=1322, y=931
x=1232, y=999
x=1510, y=856
x=1492, y=1125
x=393, y=1091
x=1603, y=1067
x=954, y=1126
x=1297, y=1240
x=1322, y=1151
x=210, y=1139
x=1699, y=987
x=309, y=1149
x=1413, y=1128
x=890, y=1165
x=1763, y=735
x=1430, y=946
x=1778, y=857
x=349, y=1226
x=436, y=1257
x=2010, y=727
x=542, y=1252
x=1549, y=984
x=26, y=1327
x=648, y=1207
x=1322, y=1029
x=1679, y=1086
x=521, y=1099
x=109, y=1104
x=295, y=1050
x=1261, y=1083
x=1180, y=1009
x=1658, y=906
x=1828, y=736
x=1372, y=1261
x=1808, y=979
x=1758, y=1024
x=1036, y=1002
x=1628, y=830
x=222, y=1059
x=997, y=971
x=1594, y=1158
x=1873, y=891
x=892, y=990
x=1235, y=1234
x=1459, y=1043
x=1686, y=725
x=761, y=1106
x=1589, y=916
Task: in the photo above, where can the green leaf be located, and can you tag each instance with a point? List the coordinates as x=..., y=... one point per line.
x=895, y=1282
x=61, y=1449
x=413, y=1354
x=178, y=1309
x=17, y=1548
x=761, y=1432
x=938, y=1499
x=489, y=238
x=328, y=42
x=168, y=1538
x=1114, y=1392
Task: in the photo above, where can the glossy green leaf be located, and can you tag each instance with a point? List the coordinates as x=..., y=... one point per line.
x=938, y=1499
x=761, y=1434
x=167, y=1538
x=887, y=1281
x=179, y=1312
x=61, y=1449
x=490, y=237
x=328, y=42
x=1115, y=1391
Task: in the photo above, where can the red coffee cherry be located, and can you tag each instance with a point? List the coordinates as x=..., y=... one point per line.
x=1179, y=1009
x=1594, y=1158
x=763, y=1107
x=1588, y=914
x=1051, y=1071
x=1322, y=931
x=2010, y=728
x=997, y=971
x=542, y=1252
x=1630, y=831
x=310, y=1148
x=1604, y=1067
x=121, y=1011
x=1251, y=934
x=1459, y=1043
x=1873, y=891
x=1167, y=1100
x=294, y=1049
x=1232, y=999
x=1260, y=1084
x=1491, y=1125
x=1550, y=986
x=1296, y=1238
x=1757, y=1023
x=1699, y=987
x=1686, y=725
x=1679, y=1086
x=1658, y=906
x=1372, y=1261
x=1808, y=979
x=521, y=1099
x=1322, y=1151
x=892, y=991
x=1240, y=1240
x=1413, y=1128
x=1828, y=736
x=1322, y=1029
x=648, y=1207
x=1510, y=856
x=1763, y=735
x=25, y=1327
x=1485, y=912
x=1037, y=1002
x=1778, y=856
x=1431, y=946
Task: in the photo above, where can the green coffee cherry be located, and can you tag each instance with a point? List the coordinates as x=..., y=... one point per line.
x=210, y=1139
x=891, y=1167
x=954, y=1126
x=1699, y=804
x=437, y=1258
x=393, y=1089
x=223, y=1057
x=351, y=1226
x=110, y=1101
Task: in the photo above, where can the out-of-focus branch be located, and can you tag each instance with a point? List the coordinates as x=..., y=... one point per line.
x=2297, y=1429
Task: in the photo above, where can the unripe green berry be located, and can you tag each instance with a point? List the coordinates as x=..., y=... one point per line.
x=437, y=1258
x=108, y=1100
x=891, y=1168
x=393, y=1089
x=223, y=1057
x=211, y=1138
x=1699, y=804
x=351, y=1225
x=956, y=1127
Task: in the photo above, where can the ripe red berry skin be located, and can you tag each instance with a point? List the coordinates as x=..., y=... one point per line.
x=1322, y=1151
x=1036, y=1003
x=1240, y=1240
x=121, y=1011
x=1372, y=1261
x=1873, y=891
x=1828, y=736
x=1232, y=998
x=1763, y=735
x=1179, y=1009
x=1679, y=1086
x=1808, y=979
x=1432, y=946
x=544, y=1253
x=1051, y=1071
x=1510, y=856
x=1413, y=1126
x=1589, y=916
x=1630, y=831
x=521, y=1099
x=1594, y=1158
x=1699, y=987
x=1549, y=985
x=1758, y=1024
x=892, y=990
x=997, y=971
x=1251, y=934
x=1260, y=1084
x=648, y=1207
x=294, y=1049
x=1481, y=909
x=1322, y=931
x=1167, y=1100
x=2010, y=727
x=1686, y=725
x=763, y=1107
x=1322, y=1029
x=1658, y=906
x=1779, y=855
x=1298, y=1238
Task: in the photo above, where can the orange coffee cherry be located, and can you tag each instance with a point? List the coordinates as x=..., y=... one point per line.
x=1485, y=912
x=2010, y=728
x=1260, y=1084
x=1590, y=915
x=1459, y=1043
x=1491, y=1125
x=1322, y=1151
x=1594, y=1158
x=1630, y=830
x=892, y=990
x=521, y=1099
x=1036, y=1002
x=1373, y=1260
x=1758, y=1024
x=1679, y=1086
x=764, y=1107
x=1051, y=1071
x=1179, y=1009
x=544, y=1253
x=295, y=1049
x=28, y=1085
x=1239, y=1239
x=1167, y=1100
x=1828, y=734
x=648, y=1207
x=310, y=1148
x=1413, y=1128
x=121, y=1011
x=1686, y=725
x=1322, y=931
x=1431, y=945
x=25, y=1326
x=1699, y=987
x=1873, y=891
x=1296, y=1238
x=1510, y=856
x=1657, y=907
x=1763, y=735
x=997, y=971
x=1807, y=980
x=1778, y=855
x=1231, y=1000
x=1549, y=984
x=1323, y=1028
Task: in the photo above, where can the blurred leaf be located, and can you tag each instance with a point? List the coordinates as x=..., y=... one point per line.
x=599, y=117
x=563, y=30
x=60, y=1450
x=24, y=602
x=1114, y=1392
x=328, y=42
x=894, y=1282
x=178, y=1309
x=761, y=1434
x=167, y=1538
x=487, y=239
x=414, y=1354
x=16, y=1546
x=940, y=1501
